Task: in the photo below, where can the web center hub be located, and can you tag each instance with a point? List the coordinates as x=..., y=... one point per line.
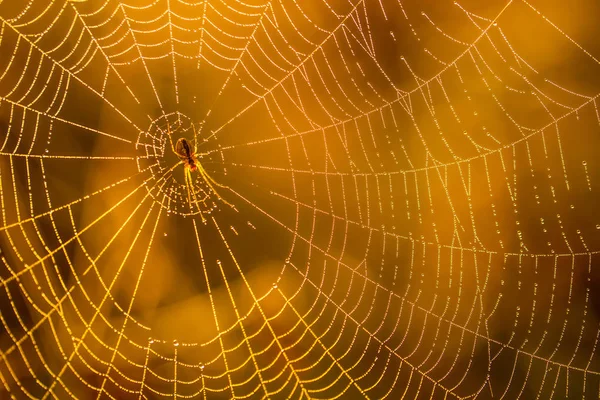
x=168, y=150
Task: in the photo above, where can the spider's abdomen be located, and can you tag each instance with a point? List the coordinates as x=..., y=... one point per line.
x=183, y=148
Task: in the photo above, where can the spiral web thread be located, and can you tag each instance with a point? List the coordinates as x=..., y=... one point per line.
x=430, y=172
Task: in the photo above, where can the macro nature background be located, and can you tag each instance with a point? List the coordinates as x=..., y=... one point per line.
x=395, y=199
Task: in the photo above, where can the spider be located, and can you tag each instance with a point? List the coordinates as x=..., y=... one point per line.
x=188, y=157
x=184, y=151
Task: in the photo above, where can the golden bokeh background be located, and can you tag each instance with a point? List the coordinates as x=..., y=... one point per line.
x=395, y=199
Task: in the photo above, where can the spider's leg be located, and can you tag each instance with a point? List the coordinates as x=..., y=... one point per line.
x=195, y=139
x=187, y=187
x=190, y=189
x=189, y=184
x=171, y=138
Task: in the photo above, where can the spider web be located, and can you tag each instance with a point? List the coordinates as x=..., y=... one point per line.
x=395, y=199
